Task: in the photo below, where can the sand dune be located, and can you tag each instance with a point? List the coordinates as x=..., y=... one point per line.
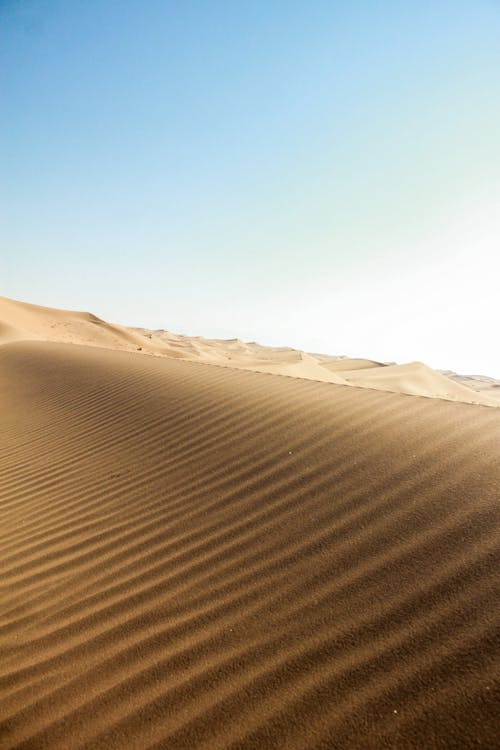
x=206, y=557
x=414, y=378
x=482, y=384
x=345, y=363
x=21, y=321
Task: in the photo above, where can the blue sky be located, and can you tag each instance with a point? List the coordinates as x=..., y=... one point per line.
x=323, y=175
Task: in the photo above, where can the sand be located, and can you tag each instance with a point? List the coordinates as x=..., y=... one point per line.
x=20, y=321
x=201, y=556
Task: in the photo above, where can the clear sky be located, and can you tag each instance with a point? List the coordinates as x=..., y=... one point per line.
x=320, y=174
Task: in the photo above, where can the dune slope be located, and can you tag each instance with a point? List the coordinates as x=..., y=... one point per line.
x=21, y=321
x=199, y=557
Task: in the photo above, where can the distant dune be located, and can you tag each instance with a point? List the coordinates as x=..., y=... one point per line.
x=197, y=556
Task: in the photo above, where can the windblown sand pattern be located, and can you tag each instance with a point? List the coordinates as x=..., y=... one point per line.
x=195, y=556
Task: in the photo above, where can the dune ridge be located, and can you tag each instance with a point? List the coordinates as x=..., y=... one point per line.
x=21, y=321
x=209, y=557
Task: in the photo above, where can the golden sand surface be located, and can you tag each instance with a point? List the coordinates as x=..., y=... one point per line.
x=200, y=556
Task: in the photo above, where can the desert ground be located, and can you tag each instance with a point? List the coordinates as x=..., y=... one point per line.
x=216, y=544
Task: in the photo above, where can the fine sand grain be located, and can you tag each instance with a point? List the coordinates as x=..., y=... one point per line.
x=196, y=556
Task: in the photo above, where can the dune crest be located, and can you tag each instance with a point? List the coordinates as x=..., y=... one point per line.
x=20, y=321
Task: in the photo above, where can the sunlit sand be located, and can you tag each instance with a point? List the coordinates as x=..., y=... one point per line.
x=224, y=545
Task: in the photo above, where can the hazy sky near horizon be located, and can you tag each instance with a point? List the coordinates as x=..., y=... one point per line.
x=324, y=175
